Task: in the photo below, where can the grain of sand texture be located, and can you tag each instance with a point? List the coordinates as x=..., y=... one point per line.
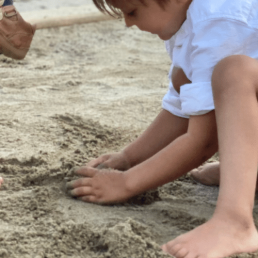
x=83, y=91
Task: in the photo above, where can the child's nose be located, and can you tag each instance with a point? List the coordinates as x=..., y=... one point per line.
x=128, y=22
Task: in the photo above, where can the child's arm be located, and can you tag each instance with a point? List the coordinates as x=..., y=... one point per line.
x=163, y=130
x=182, y=155
x=176, y=159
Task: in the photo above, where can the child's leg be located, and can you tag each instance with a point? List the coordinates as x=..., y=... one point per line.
x=231, y=230
x=1, y=181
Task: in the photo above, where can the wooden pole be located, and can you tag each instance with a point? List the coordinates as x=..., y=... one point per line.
x=65, y=16
x=50, y=22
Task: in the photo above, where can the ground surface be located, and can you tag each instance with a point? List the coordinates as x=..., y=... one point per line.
x=36, y=5
x=83, y=91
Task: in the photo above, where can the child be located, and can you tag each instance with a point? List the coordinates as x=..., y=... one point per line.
x=213, y=46
x=15, y=34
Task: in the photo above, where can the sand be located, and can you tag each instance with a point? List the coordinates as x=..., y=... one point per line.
x=36, y=5
x=83, y=91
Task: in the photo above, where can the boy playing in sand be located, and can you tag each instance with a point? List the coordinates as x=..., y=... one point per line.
x=213, y=46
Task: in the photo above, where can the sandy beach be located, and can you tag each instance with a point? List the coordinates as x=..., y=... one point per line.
x=37, y=5
x=82, y=91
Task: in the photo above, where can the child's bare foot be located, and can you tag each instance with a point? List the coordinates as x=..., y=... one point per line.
x=217, y=238
x=209, y=174
x=1, y=181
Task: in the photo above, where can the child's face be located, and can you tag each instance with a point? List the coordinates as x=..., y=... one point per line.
x=151, y=17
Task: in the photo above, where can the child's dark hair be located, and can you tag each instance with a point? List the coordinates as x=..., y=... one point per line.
x=107, y=6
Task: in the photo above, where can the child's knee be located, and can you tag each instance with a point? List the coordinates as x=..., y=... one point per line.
x=233, y=69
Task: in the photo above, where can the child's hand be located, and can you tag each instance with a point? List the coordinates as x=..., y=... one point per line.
x=1, y=180
x=100, y=186
x=114, y=160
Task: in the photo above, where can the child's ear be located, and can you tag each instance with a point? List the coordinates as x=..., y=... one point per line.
x=183, y=1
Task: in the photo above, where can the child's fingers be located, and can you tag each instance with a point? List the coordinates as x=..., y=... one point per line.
x=78, y=183
x=164, y=248
x=86, y=171
x=95, y=162
x=81, y=191
x=88, y=198
x=102, y=166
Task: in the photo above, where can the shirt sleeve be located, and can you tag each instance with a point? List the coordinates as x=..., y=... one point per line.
x=210, y=42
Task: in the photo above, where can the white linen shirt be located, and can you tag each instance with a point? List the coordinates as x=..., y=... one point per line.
x=213, y=30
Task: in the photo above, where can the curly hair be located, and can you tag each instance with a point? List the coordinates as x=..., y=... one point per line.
x=107, y=6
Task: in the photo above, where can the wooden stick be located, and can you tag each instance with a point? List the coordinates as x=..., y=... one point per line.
x=50, y=22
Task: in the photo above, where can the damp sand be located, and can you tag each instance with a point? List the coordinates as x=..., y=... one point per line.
x=83, y=91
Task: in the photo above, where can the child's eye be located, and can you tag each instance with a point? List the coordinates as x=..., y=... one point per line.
x=132, y=13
